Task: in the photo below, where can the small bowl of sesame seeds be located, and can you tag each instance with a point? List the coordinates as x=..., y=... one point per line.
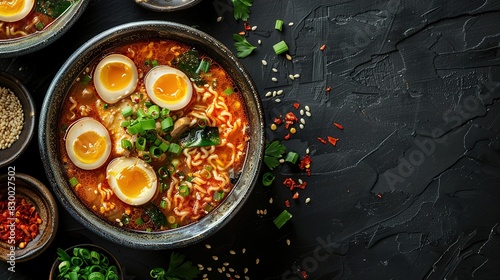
x=17, y=118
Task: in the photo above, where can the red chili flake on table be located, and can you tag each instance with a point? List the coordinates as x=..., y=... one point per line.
x=295, y=195
x=287, y=203
x=247, y=26
x=339, y=126
x=328, y=89
x=287, y=136
x=304, y=274
x=322, y=48
x=291, y=184
x=242, y=33
x=277, y=120
x=333, y=140
x=296, y=105
x=305, y=164
x=322, y=140
x=290, y=119
x=20, y=223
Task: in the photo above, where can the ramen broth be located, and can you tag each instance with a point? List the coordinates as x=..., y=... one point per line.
x=190, y=181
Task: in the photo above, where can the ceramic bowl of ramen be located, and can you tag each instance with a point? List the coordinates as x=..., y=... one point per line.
x=167, y=6
x=159, y=135
x=29, y=25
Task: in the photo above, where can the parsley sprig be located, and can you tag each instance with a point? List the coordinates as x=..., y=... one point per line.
x=243, y=47
x=178, y=269
x=241, y=9
x=272, y=154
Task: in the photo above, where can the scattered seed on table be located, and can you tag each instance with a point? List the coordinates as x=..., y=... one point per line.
x=259, y=42
x=243, y=250
x=219, y=270
x=308, y=200
x=301, y=112
x=301, y=126
x=290, y=24
x=271, y=200
x=296, y=76
x=208, y=246
x=269, y=94
x=215, y=258
x=281, y=160
x=219, y=19
x=291, y=77
x=257, y=261
x=307, y=151
x=307, y=108
x=289, y=57
x=254, y=27
x=264, y=62
x=232, y=252
x=274, y=70
x=245, y=270
x=279, y=92
x=288, y=242
x=308, y=113
x=277, y=100
x=302, y=121
x=274, y=93
x=274, y=79
x=231, y=269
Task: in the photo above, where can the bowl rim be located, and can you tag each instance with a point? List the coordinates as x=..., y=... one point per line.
x=43, y=193
x=159, y=7
x=34, y=42
x=172, y=238
x=29, y=111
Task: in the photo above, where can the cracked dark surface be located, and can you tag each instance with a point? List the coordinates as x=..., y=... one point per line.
x=412, y=189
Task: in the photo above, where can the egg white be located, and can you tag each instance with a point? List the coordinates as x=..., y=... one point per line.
x=112, y=96
x=158, y=71
x=76, y=130
x=117, y=165
x=8, y=15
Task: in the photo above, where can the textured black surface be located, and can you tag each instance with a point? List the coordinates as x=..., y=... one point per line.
x=412, y=188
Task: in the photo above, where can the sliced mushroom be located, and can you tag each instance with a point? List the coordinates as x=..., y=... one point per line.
x=180, y=126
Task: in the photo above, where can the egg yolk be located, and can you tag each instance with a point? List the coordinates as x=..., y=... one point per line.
x=12, y=7
x=89, y=147
x=132, y=181
x=116, y=76
x=170, y=88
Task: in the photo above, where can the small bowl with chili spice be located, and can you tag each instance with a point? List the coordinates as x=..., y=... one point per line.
x=17, y=118
x=28, y=217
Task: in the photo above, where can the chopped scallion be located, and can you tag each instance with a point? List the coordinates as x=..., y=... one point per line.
x=127, y=111
x=280, y=47
x=218, y=195
x=163, y=204
x=292, y=157
x=279, y=25
x=183, y=190
x=155, y=151
x=154, y=111
x=73, y=182
x=140, y=113
x=125, y=123
x=163, y=172
x=140, y=144
x=268, y=178
x=163, y=146
x=126, y=144
x=167, y=124
x=174, y=148
x=282, y=219
x=148, y=124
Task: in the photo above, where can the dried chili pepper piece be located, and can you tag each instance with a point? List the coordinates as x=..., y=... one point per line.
x=333, y=140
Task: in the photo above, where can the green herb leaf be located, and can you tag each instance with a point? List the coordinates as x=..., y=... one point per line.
x=178, y=269
x=241, y=9
x=273, y=152
x=243, y=47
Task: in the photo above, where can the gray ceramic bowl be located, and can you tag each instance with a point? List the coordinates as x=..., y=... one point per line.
x=34, y=42
x=10, y=154
x=48, y=134
x=166, y=6
x=35, y=193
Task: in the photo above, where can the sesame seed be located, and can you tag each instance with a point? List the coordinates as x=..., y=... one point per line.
x=296, y=76
x=308, y=113
x=219, y=19
x=279, y=92
x=289, y=57
x=281, y=160
x=300, y=181
x=274, y=70
x=308, y=200
x=301, y=126
x=271, y=200
x=259, y=42
x=274, y=93
x=264, y=62
x=225, y=264
x=208, y=246
x=254, y=27
x=288, y=242
x=232, y=252
x=247, y=278
x=231, y=269
x=257, y=261
x=243, y=250
x=269, y=94
x=215, y=258
x=301, y=112
x=209, y=268
x=302, y=121
x=291, y=77
x=274, y=79
x=307, y=108
x=277, y=100
x=307, y=151
x=219, y=270
x=290, y=24
x=245, y=270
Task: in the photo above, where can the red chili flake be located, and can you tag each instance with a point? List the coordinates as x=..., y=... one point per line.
x=290, y=119
x=295, y=195
x=287, y=136
x=328, y=89
x=136, y=100
x=247, y=26
x=23, y=217
x=322, y=48
x=305, y=164
x=291, y=184
x=287, y=203
x=304, y=274
x=339, y=126
x=242, y=33
x=322, y=140
x=296, y=105
x=333, y=140
x=277, y=120
x=379, y=195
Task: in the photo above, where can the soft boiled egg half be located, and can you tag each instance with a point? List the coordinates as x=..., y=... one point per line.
x=115, y=77
x=132, y=180
x=14, y=10
x=168, y=87
x=88, y=143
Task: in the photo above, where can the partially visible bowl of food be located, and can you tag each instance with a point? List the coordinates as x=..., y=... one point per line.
x=28, y=217
x=17, y=118
x=85, y=261
x=166, y=6
x=159, y=138
x=29, y=25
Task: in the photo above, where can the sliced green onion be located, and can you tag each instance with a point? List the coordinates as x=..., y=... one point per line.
x=148, y=124
x=268, y=178
x=183, y=190
x=278, y=25
x=167, y=124
x=164, y=112
x=204, y=66
x=140, y=113
x=124, y=123
x=157, y=141
x=218, y=195
x=135, y=128
x=292, y=157
x=280, y=47
x=202, y=122
x=163, y=187
x=146, y=157
x=148, y=103
x=126, y=144
x=155, y=151
x=139, y=221
x=282, y=218
x=174, y=148
x=163, y=146
x=86, y=79
x=39, y=25
x=163, y=172
x=154, y=111
x=174, y=225
x=228, y=91
x=163, y=204
x=154, y=63
x=127, y=111
x=140, y=143
x=73, y=182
